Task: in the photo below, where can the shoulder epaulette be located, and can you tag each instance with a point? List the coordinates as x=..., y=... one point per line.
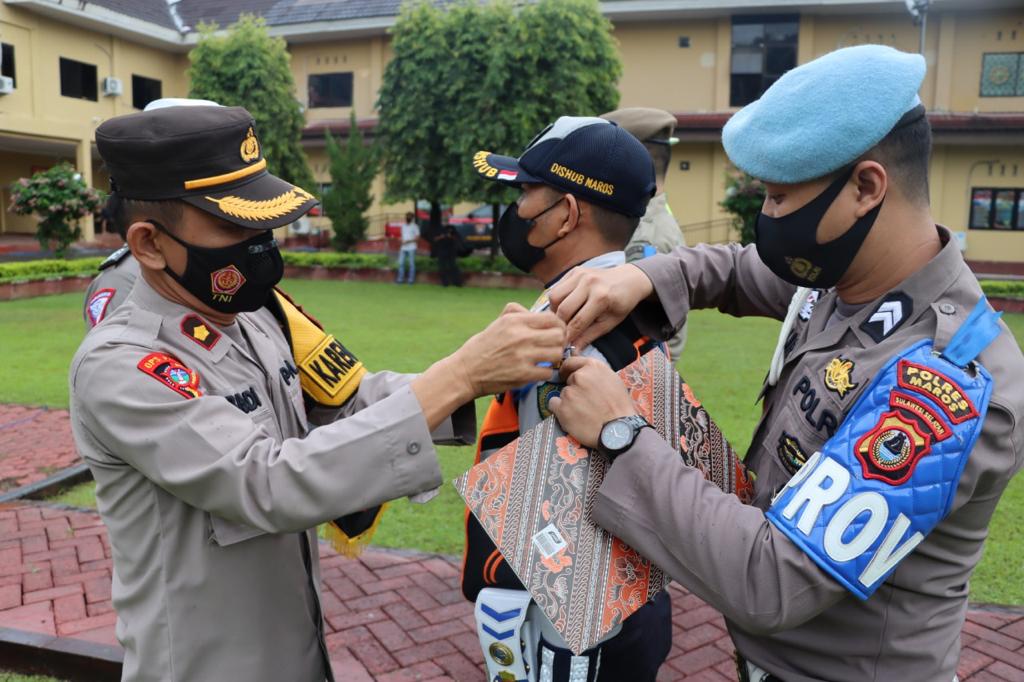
x=115, y=258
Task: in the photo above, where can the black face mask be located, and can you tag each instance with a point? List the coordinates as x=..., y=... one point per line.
x=231, y=279
x=789, y=246
x=513, y=231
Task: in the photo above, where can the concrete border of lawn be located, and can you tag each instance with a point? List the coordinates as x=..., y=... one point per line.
x=61, y=657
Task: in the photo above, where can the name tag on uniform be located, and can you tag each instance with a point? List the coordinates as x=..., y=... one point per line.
x=330, y=373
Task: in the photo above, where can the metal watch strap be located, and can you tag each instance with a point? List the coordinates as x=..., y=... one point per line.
x=638, y=423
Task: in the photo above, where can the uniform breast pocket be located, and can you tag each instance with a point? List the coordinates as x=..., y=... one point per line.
x=225, y=533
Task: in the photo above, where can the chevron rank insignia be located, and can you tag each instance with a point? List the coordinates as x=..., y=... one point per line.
x=197, y=329
x=892, y=312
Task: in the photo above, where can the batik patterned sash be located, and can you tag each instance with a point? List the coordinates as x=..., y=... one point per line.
x=534, y=498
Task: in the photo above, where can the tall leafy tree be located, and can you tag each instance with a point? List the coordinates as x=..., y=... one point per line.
x=486, y=76
x=353, y=167
x=414, y=111
x=247, y=67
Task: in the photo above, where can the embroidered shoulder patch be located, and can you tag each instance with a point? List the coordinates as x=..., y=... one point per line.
x=946, y=393
x=171, y=373
x=96, y=308
x=197, y=329
x=888, y=316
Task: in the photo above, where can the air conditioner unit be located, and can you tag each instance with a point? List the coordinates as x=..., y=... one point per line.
x=112, y=86
x=6, y=85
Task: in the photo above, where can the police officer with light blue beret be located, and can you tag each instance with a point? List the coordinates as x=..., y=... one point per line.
x=893, y=412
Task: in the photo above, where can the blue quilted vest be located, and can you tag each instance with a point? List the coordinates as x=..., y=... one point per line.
x=889, y=474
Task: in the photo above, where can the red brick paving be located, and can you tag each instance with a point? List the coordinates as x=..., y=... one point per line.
x=34, y=444
x=390, y=616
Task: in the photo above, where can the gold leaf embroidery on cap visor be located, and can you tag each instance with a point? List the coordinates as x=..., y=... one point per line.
x=266, y=209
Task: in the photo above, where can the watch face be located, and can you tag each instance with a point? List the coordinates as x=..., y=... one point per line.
x=616, y=435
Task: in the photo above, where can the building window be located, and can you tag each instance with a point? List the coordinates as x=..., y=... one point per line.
x=144, y=91
x=1002, y=74
x=763, y=48
x=77, y=79
x=997, y=209
x=330, y=90
x=7, y=62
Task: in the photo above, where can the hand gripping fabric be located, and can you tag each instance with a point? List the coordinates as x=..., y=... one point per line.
x=889, y=474
x=329, y=375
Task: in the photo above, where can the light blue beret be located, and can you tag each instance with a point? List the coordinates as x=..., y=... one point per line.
x=824, y=114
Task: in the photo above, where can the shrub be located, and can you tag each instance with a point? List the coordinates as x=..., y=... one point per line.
x=60, y=198
x=26, y=271
x=1003, y=288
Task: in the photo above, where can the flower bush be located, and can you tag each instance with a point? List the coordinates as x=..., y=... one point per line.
x=60, y=198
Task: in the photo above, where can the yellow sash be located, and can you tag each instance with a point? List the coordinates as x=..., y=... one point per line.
x=329, y=375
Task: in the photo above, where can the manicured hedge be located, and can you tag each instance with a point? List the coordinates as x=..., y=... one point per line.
x=25, y=271
x=382, y=261
x=1003, y=288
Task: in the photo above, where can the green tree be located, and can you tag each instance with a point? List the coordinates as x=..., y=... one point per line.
x=414, y=111
x=353, y=167
x=744, y=197
x=60, y=198
x=247, y=67
x=486, y=76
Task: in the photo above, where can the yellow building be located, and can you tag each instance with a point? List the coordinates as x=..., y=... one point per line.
x=700, y=59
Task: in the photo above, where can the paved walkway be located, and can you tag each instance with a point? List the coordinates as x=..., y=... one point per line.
x=34, y=443
x=390, y=615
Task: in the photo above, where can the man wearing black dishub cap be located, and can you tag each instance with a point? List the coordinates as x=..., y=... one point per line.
x=584, y=183
x=222, y=424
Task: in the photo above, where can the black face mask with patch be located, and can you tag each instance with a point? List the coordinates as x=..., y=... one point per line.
x=231, y=279
x=513, y=231
x=790, y=248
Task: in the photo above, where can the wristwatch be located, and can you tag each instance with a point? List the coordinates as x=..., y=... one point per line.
x=618, y=435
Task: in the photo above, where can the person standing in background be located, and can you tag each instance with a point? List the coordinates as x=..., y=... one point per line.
x=407, y=251
x=446, y=248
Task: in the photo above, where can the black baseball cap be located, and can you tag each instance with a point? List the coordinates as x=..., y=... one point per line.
x=588, y=157
x=207, y=156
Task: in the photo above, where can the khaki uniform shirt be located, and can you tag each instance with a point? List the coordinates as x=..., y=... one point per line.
x=783, y=612
x=211, y=502
x=112, y=285
x=659, y=229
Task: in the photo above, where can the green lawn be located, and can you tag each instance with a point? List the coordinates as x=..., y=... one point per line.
x=17, y=677
x=406, y=328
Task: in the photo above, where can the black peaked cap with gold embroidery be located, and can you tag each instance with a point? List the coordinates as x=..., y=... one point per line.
x=209, y=157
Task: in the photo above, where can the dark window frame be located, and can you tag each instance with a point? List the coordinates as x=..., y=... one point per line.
x=1016, y=217
x=137, y=81
x=85, y=92
x=10, y=66
x=332, y=103
x=766, y=78
x=1018, y=87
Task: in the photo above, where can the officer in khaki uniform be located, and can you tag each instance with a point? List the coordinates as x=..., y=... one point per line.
x=658, y=231
x=191, y=403
x=893, y=415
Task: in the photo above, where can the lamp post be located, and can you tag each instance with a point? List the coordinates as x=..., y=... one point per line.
x=919, y=11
